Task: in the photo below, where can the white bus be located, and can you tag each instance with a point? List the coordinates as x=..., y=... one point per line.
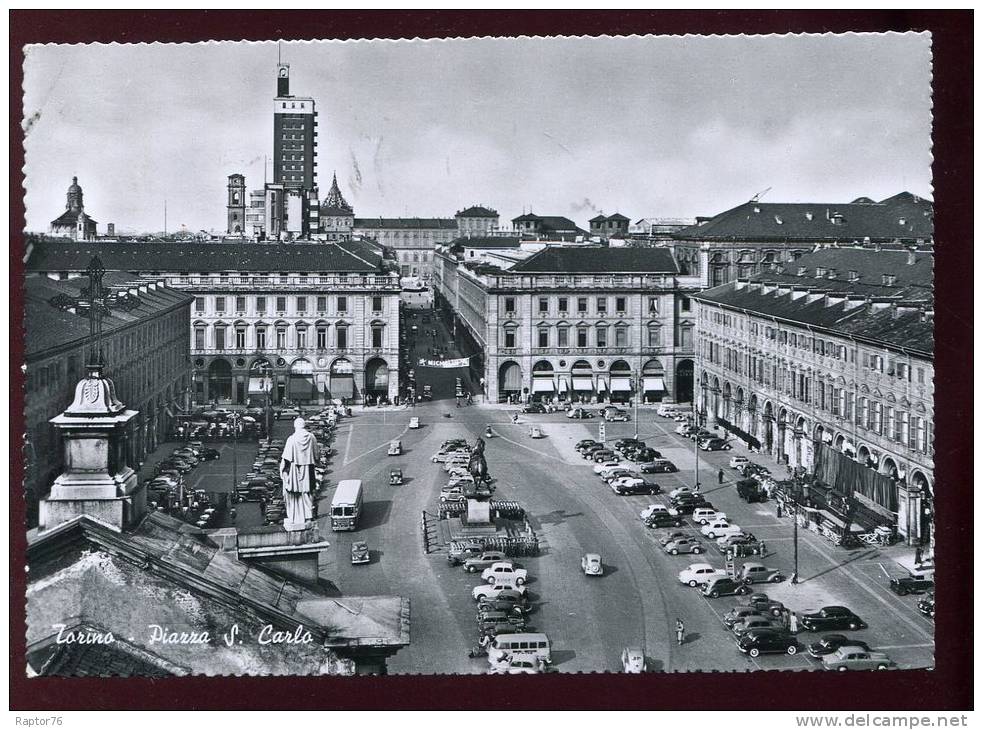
x=346, y=506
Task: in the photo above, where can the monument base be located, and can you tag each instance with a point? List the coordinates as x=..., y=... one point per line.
x=293, y=554
x=66, y=504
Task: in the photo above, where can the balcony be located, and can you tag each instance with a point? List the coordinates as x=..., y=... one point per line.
x=293, y=283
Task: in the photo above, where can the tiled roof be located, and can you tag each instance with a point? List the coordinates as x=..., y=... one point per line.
x=598, y=219
x=47, y=327
x=617, y=217
x=165, y=256
x=406, y=223
x=487, y=242
x=904, y=216
x=477, y=211
x=591, y=259
x=906, y=329
x=331, y=210
x=70, y=218
x=861, y=271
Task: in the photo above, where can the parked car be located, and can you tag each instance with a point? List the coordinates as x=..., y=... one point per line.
x=911, y=584
x=633, y=660
x=518, y=664
x=680, y=491
x=591, y=564
x=633, y=485
x=626, y=442
x=689, y=505
x=831, y=642
x=657, y=466
x=759, y=573
x=751, y=490
x=684, y=429
x=667, y=411
x=602, y=455
x=715, y=444
x=284, y=414
x=668, y=537
x=656, y=508
x=579, y=413
x=485, y=560
x=453, y=494
x=616, y=414
x=697, y=574
x=505, y=572
x=761, y=602
x=663, y=519
x=508, y=600
x=739, y=613
x=536, y=432
x=724, y=586
x=491, y=590
x=587, y=451
x=720, y=528
x=700, y=434
x=855, y=657
x=610, y=464
x=705, y=515
x=750, y=623
x=460, y=480
x=534, y=408
x=643, y=456
x=487, y=618
x=584, y=443
x=926, y=606
x=831, y=617
x=459, y=551
x=414, y=422
x=740, y=540
x=736, y=462
x=209, y=454
x=767, y=641
x=360, y=553
x=395, y=448
x=683, y=545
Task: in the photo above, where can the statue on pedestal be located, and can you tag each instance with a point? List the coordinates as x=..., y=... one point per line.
x=301, y=454
x=477, y=466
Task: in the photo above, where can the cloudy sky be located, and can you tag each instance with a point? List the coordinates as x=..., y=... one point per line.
x=645, y=126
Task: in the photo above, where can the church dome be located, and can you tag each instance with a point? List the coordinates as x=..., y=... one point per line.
x=74, y=187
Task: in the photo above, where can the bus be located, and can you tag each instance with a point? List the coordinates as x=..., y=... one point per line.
x=346, y=505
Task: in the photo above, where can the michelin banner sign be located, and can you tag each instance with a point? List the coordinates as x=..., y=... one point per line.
x=459, y=363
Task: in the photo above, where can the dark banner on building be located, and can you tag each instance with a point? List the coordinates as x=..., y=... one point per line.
x=846, y=476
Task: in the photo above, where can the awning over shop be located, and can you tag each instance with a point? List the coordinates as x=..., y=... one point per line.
x=620, y=385
x=513, y=378
x=601, y=385
x=583, y=384
x=542, y=385
x=563, y=385
x=342, y=386
x=654, y=384
x=301, y=387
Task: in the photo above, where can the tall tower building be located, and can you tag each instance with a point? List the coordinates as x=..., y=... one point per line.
x=236, y=213
x=294, y=136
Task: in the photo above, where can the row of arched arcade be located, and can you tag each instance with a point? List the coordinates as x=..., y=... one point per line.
x=556, y=380
x=242, y=381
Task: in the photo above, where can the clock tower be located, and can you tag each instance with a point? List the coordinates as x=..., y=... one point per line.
x=283, y=79
x=236, y=209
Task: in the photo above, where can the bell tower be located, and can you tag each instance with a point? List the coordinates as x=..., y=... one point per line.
x=283, y=79
x=236, y=213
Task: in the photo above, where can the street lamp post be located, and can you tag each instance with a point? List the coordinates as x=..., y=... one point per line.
x=635, y=394
x=236, y=419
x=696, y=448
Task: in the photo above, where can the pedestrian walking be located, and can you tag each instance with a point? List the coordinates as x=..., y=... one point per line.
x=793, y=623
x=720, y=476
x=918, y=556
x=680, y=632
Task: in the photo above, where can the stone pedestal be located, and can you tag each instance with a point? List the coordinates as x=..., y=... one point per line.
x=96, y=480
x=292, y=554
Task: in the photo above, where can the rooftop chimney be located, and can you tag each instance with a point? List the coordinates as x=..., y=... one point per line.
x=911, y=256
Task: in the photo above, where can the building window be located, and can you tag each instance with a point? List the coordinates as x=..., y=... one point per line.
x=341, y=337
x=544, y=337
x=219, y=304
x=281, y=304
x=199, y=338
x=621, y=304
x=562, y=304
x=220, y=337
x=582, y=336
x=510, y=304
x=582, y=305
x=655, y=336
x=377, y=337
x=621, y=337
x=240, y=304
x=322, y=304
x=510, y=338
x=281, y=338
x=301, y=304
x=376, y=304
x=342, y=304
x=199, y=304
x=684, y=304
x=602, y=336
x=322, y=338
x=602, y=305
x=686, y=338
x=260, y=305
x=653, y=305
x=261, y=338
x=240, y=338
x=544, y=305
x=562, y=337
x=301, y=338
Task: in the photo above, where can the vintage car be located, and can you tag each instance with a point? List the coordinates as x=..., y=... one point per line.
x=504, y=572
x=485, y=559
x=856, y=657
x=395, y=448
x=360, y=552
x=767, y=641
x=591, y=564
x=536, y=432
x=831, y=617
x=415, y=422
x=395, y=477
x=759, y=573
x=683, y=545
x=699, y=573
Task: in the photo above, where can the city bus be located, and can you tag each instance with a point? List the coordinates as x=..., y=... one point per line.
x=346, y=505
